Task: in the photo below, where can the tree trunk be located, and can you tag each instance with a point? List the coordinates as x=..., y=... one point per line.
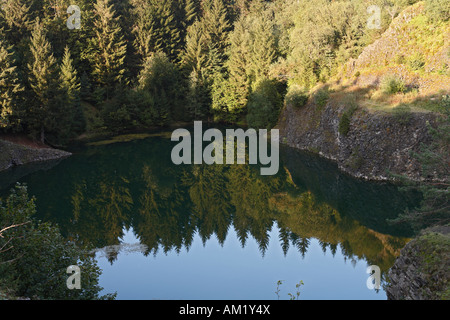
x=42, y=135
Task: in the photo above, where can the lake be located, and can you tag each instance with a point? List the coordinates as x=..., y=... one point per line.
x=219, y=231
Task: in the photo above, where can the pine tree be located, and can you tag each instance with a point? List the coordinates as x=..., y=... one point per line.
x=10, y=86
x=108, y=48
x=69, y=76
x=143, y=28
x=263, y=45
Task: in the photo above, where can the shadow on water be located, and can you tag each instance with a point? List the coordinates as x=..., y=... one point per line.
x=105, y=189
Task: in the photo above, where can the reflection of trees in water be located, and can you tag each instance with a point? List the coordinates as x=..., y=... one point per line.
x=101, y=209
x=209, y=200
x=168, y=205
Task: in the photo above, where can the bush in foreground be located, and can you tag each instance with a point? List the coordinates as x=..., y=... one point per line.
x=34, y=256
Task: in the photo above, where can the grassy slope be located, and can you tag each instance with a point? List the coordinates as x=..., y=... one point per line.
x=414, y=50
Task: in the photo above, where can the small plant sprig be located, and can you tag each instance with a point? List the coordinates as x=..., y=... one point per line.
x=297, y=294
x=291, y=295
x=279, y=283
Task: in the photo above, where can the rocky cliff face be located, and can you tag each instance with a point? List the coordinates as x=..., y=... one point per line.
x=421, y=271
x=377, y=143
x=12, y=155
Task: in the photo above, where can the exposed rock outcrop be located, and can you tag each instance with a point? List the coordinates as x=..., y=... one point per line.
x=422, y=271
x=376, y=145
x=12, y=155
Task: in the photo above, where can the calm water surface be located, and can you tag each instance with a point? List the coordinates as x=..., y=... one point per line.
x=218, y=232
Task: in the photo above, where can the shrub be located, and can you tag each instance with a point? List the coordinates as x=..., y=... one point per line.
x=264, y=105
x=296, y=97
x=416, y=62
x=392, y=85
x=438, y=10
x=400, y=59
x=346, y=118
x=35, y=255
x=321, y=97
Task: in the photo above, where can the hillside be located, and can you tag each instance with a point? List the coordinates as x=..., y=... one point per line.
x=375, y=113
x=416, y=51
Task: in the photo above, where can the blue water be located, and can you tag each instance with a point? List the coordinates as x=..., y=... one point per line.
x=229, y=272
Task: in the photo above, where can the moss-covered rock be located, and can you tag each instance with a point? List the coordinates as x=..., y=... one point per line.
x=422, y=271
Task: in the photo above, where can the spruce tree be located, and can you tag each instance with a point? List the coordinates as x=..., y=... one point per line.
x=195, y=54
x=157, y=29
x=10, y=87
x=217, y=27
x=108, y=48
x=72, y=88
x=44, y=108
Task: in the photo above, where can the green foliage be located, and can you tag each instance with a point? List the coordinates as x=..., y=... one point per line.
x=163, y=80
x=416, y=62
x=252, y=51
x=198, y=97
x=107, y=49
x=321, y=97
x=47, y=108
x=217, y=53
x=391, y=84
x=71, y=87
x=296, y=97
x=264, y=105
x=134, y=108
x=34, y=255
x=346, y=118
x=10, y=86
x=157, y=28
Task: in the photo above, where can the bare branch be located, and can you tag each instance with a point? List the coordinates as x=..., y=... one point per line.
x=12, y=226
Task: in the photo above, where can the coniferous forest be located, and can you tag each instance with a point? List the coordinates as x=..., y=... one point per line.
x=121, y=65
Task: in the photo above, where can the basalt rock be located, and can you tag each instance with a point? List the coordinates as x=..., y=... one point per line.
x=421, y=272
x=12, y=155
x=377, y=145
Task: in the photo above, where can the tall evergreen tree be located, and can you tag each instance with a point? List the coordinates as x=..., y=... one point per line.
x=10, y=86
x=195, y=55
x=72, y=88
x=217, y=27
x=44, y=110
x=251, y=52
x=156, y=28
x=108, y=48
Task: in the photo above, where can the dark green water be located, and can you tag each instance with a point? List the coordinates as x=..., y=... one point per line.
x=219, y=232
